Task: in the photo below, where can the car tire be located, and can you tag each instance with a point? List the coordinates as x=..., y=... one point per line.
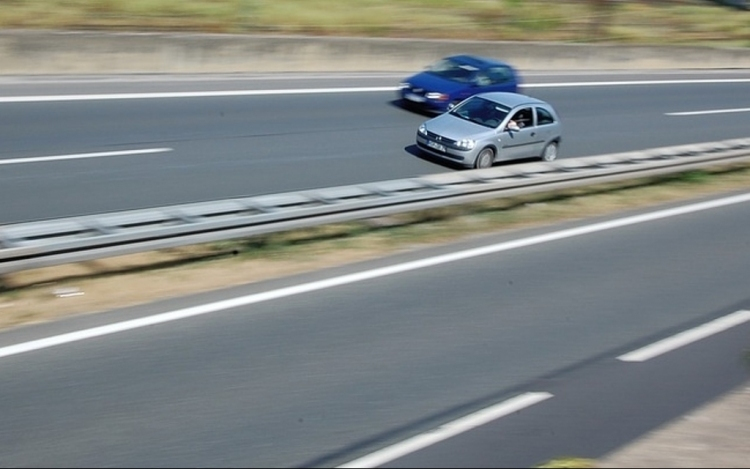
x=550, y=152
x=485, y=158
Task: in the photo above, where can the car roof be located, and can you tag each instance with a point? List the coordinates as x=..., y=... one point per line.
x=511, y=99
x=477, y=61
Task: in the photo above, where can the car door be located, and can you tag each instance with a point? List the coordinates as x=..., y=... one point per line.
x=524, y=142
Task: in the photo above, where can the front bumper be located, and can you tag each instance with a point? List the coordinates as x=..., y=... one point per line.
x=445, y=151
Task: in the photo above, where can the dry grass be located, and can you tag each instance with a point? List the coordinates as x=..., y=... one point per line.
x=30, y=296
x=632, y=21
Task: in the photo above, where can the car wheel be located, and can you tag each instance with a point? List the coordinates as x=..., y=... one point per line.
x=550, y=152
x=485, y=158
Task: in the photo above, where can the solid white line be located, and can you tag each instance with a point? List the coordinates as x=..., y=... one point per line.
x=448, y=430
x=713, y=111
x=39, y=159
x=362, y=276
x=637, y=82
x=187, y=94
x=687, y=337
x=204, y=94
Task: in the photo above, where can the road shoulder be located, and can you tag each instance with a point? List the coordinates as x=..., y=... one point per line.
x=714, y=435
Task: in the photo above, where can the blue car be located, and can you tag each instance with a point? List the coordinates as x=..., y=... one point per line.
x=453, y=79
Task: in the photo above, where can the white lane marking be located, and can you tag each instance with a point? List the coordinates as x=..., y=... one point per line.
x=361, y=276
x=638, y=82
x=203, y=94
x=187, y=94
x=259, y=76
x=684, y=338
x=448, y=430
x=711, y=111
x=38, y=159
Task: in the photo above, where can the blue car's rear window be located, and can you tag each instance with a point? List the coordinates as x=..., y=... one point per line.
x=452, y=70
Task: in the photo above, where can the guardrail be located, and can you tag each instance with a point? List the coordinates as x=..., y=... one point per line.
x=38, y=244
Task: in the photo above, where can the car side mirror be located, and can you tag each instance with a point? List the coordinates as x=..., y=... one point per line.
x=512, y=126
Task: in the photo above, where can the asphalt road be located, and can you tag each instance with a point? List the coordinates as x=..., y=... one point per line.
x=328, y=367
x=324, y=368
x=289, y=133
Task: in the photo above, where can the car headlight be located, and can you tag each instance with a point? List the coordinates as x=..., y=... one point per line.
x=404, y=86
x=466, y=144
x=422, y=129
x=437, y=96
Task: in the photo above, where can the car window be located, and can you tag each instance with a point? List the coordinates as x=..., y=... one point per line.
x=500, y=74
x=481, y=111
x=452, y=70
x=483, y=79
x=524, y=117
x=544, y=117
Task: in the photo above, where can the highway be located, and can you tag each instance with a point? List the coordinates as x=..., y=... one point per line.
x=285, y=133
x=352, y=364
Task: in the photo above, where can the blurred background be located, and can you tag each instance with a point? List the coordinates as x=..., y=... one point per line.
x=722, y=23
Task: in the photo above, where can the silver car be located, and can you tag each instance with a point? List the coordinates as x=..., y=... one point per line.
x=490, y=127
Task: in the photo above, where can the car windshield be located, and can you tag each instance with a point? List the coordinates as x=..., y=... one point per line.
x=454, y=71
x=481, y=111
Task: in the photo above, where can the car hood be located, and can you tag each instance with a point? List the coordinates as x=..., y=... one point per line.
x=455, y=128
x=430, y=82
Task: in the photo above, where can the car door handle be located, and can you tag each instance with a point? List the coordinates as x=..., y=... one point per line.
x=533, y=134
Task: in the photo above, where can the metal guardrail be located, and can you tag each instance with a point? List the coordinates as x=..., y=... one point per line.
x=32, y=245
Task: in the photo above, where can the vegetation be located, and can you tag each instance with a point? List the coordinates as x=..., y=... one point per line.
x=568, y=463
x=28, y=296
x=628, y=21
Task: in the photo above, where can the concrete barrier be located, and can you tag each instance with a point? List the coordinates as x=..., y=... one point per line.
x=52, y=52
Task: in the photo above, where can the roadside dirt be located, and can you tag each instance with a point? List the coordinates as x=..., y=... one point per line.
x=83, y=288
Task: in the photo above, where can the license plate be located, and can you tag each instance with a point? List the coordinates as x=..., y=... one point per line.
x=414, y=97
x=435, y=145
